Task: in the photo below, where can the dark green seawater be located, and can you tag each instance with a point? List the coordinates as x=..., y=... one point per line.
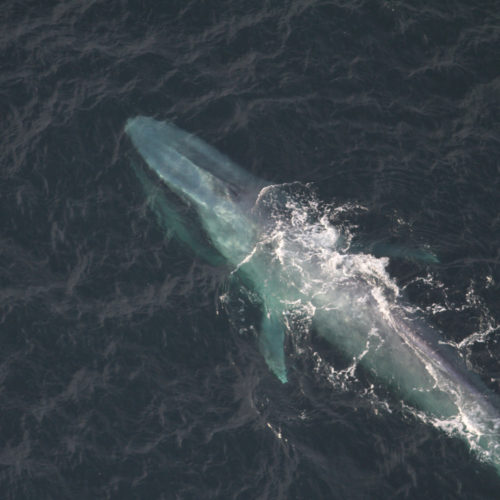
x=123, y=375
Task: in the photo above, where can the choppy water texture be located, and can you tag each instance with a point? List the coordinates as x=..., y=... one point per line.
x=129, y=368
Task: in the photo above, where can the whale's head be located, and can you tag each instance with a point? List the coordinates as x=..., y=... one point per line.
x=219, y=190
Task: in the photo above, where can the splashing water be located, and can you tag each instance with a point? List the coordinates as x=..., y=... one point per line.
x=351, y=301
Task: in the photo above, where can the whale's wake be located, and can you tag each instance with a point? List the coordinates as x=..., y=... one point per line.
x=351, y=300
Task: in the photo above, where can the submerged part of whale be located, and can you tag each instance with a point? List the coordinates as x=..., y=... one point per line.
x=280, y=244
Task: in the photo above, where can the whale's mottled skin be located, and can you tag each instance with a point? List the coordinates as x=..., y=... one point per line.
x=344, y=292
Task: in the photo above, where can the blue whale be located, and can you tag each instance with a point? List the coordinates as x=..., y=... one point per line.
x=301, y=268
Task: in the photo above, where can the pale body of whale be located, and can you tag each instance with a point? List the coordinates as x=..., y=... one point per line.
x=296, y=265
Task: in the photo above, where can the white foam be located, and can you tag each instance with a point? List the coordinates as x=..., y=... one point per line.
x=352, y=293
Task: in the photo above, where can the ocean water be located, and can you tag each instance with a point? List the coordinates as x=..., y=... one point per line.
x=129, y=366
